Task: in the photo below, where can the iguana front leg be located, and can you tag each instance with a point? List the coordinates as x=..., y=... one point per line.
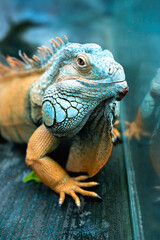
x=136, y=128
x=115, y=131
x=41, y=143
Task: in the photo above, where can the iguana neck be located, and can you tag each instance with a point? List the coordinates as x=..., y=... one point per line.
x=38, y=88
x=101, y=115
x=93, y=144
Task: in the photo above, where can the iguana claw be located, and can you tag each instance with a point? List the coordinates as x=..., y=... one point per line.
x=72, y=186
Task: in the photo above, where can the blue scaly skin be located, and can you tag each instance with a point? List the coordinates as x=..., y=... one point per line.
x=73, y=94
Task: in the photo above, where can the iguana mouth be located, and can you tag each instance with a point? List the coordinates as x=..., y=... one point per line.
x=122, y=93
x=91, y=83
x=102, y=83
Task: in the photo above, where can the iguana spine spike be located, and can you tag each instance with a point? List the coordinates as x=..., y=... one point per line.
x=11, y=63
x=52, y=45
x=36, y=58
x=66, y=39
x=60, y=41
x=22, y=57
x=42, y=55
x=56, y=44
x=31, y=62
x=14, y=62
x=35, y=62
x=48, y=50
x=42, y=49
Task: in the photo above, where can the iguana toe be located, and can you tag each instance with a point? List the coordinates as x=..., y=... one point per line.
x=134, y=131
x=72, y=186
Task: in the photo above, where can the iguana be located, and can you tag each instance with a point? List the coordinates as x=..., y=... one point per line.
x=69, y=92
x=147, y=118
x=147, y=122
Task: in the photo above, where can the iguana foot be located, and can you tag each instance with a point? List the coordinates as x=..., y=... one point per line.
x=115, y=131
x=135, y=131
x=71, y=186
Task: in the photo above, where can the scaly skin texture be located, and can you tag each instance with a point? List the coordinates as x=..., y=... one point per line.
x=71, y=92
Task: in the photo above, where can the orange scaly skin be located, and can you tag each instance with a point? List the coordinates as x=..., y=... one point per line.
x=15, y=122
x=50, y=172
x=16, y=125
x=42, y=102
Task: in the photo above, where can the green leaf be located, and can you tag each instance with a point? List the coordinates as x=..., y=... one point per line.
x=31, y=177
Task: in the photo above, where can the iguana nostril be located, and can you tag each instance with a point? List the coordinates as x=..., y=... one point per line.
x=122, y=93
x=118, y=66
x=110, y=70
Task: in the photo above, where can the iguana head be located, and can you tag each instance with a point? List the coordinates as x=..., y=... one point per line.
x=84, y=77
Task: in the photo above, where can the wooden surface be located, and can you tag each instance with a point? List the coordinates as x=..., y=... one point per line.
x=30, y=211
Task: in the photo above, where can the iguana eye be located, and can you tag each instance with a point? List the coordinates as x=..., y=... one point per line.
x=82, y=61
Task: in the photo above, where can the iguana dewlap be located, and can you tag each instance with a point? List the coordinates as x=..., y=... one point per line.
x=69, y=92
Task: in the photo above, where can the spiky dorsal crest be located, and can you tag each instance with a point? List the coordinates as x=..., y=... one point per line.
x=36, y=63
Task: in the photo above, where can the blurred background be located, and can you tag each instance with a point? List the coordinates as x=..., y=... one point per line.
x=131, y=31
